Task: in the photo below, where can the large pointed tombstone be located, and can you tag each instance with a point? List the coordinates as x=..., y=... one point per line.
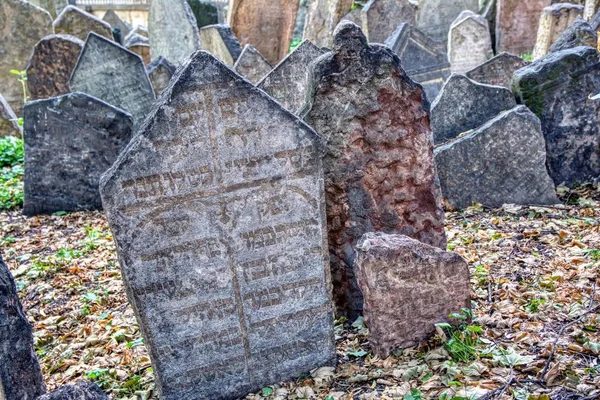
x=469, y=42
x=217, y=210
x=380, y=18
x=114, y=74
x=435, y=16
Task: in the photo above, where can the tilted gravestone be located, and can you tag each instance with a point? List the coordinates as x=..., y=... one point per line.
x=70, y=141
x=579, y=33
x=114, y=74
x=252, y=65
x=205, y=12
x=591, y=8
x=469, y=42
x=82, y=390
x=76, y=22
x=434, y=17
x=423, y=59
x=381, y=17
x=139, y=45
x=553, y=22
x=220, y=41
x=497, y=71
x=217, y=211
x=8, y=120
x=322, y=18
x=517, y=24
x=117, y=24
x=51, y=65
x=557, y=89
x=354, y=16
x=23, y=26
x=47, y=5
x=288, y=81
x=160, y=72
x=501, y=162
x=376, y=123
x=172, y=30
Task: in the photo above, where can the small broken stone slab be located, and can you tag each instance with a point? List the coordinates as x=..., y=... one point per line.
x=434, y=17
x=408, y=286
x=220, y=41
x=497, y=71
x=82, y=390
x=469, y=42
x=205, y=12
x=8, y=120
x=252, y=65
x=172, y=30
x=381, y=17
x=76, y=22
x=160, y=72
x=579, y=33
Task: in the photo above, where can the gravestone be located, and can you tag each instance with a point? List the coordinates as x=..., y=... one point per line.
x=591, y=8
x=497, y=71
x=267, y=25
x=322, y=18
x=20, y=374
x=116, y=75
x=138, y=30
x=205, y=12
x=409, y=287
x=469, y=42
x=23, y=26
x=117, y=24
x=76, y=22
x=70, y=141
x=51, y=65
x=288, y=81
x=60, y=5
x=47, y=5
x=160, y=72
x=354, y=16
x=217, y=211
x=82, y=390
x=8, y=120
x=139, y=45
x=501, y=162
x=579, y=33
x=434, y=17
x=553, y=22
x=376, y=123
x=252, y=65
x=172, y=30
x=381, y=17
x=424, y=60
x=301, y=19
x=557, y=89
x=464, y=104
x=517, y=24
x=220, y=41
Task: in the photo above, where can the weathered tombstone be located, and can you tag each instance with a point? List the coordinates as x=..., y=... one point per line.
x=579, y=33
x=47, y=5
x=409, y=286
x=354, y=16
x=501, y=162
x=375, y=120
x=381, y=17
x=51, y=65
x=595, y=22
x=138, y=30
x=117, y=24
x=70, y=141
x=252, y=65
x=322, y=18
x=464, y=104
x=8, y=120
x=23, y=26
x=114, y=74
x=220, y=41
x=160, y=72
x=205, y=12
x=217, y=211
x=20, y=374
x=301, y=19
x=553, y=22
x=424, y=60
x=288, y=81
x=139, y=45
x=434, y=17
x=76, y=22
x=497, y=71
x=172, y=30
x=60, y=5
x=469, y=42
x=591, y=8
x=517, y=23
x=557, y=89
x=82, y=390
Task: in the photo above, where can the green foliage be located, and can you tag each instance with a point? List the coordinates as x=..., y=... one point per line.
x=11, y=174
x=295, y=43
x=267, y=392
x=534, y=305
x=414, y=394
x=21, y=77
x=527, y=57
x=357, y=4
x=11, y=151
x=462, y=340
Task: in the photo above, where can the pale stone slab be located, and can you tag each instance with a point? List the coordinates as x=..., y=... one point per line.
x=579, y=33
x=252, y=65
x=381, y=17
x=322, y=18
x=139, y=45
x=517, y=24
x=160, y=72
x=553, y=22
x=172, y=30
x=220, y=41
x=497, y=71
x=8, y=120
x=434, y=17
x=591, y=8
x=76, y=22
x=469, y=42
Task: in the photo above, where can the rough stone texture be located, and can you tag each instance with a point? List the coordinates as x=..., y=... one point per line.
x=322, y=18
x=517, y=23
x=579, y=33
x=501, y=162
x=488, y=11
x=217, y=211
x=160, y=72
x=76, y=22
x=288, y=81
x=252, y=65
x=22, y=26
x=138, y=30
x=268, y=25
x=591, y=8
x=139, y=45
x=205, y=12
x=116, y=75
x=498, y=71
x=553, y=22
x=464, y=104
x=376, y=122
x=381, y=17
x=47, y=5
x=354, y=16
x=301, y=19
x=557, y=89
x=117, y=24
x=469, y=42
x=8, y=120
x=20, y=374
x=409, y=286
x=172, y=30
x=80, y=391
x=595, y=22
x=220, y=41
x=434, y=17
x=51, y=65
x=60, y=5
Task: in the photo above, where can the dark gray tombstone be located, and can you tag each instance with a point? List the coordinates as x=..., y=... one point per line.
x=497, y=71
x=205, y=12
x=252, y=65
x=160, y=72
x=172, y=30
x=80, y=391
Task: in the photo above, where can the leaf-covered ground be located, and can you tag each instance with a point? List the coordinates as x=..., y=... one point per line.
x=535, y=305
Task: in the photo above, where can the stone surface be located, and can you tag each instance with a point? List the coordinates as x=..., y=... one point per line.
x=80, y=391
x=517, y=24
x=434, y=17
x=376, y=122
x=469, y=42
x=172, y=30
x=464, y=104
x=205, y=12
x=117, y=24
x=381, y=17
x=139, y=45
x=23, y=25
x=595, y=22
x=579, y=33
x=591, y=8
x=354, y=16
x=288, y=81
x=252, y=65
x=220, y=41
x=51, y=65
x=488, y=11
x=20, y=374
x=217, y=211
x=70, y=141
x=557, y=89
x=322, y=18
x=553, y=22
x=8, y=120
x=160, y=72
x=497, y=71
x=501, y=162
x=409, y=286
x=301, y=19
x=138, y=30
x=423, y=59
x=47, y=5
x=114, y=74
x=76, y=22
x=268, y=25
